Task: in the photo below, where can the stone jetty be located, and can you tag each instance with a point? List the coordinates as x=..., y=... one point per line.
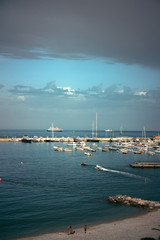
x=136, y=202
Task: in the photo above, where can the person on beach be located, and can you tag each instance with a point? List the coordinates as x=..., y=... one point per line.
x=71, y=231
x=68, y=229
x=85, y=228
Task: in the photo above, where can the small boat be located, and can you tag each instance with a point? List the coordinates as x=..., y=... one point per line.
x=99, y=167
x=105, y=150
x=137, y=151
x=99, y=148
x=67, y=150
x=124, y=151
x=73, y=144
x=57, y=148
x=26, y=139
x=14, y=139
x=79, y=148
x=36, y=139
x=93, y=150
x=108, y=130
x=83, y=164
x=87, y=154
x=47, y=139
x=151, y=153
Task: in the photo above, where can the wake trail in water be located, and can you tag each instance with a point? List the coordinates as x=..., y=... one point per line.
x=123, y=173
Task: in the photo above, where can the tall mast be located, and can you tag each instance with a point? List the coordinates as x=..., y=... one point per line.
x=121, y=130
x=92, y=128
x=96, y=124
x=52, y=131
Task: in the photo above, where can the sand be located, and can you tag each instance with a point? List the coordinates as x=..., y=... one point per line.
x=147, y=225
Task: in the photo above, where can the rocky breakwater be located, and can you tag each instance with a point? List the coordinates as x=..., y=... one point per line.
x=136, y=202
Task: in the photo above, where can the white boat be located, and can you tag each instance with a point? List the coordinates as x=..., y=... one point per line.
x=67, y=150
x=158, y=150
x=99, y=167
x=56, y=129
x=26, y=139
x=87, y=154
x=108, y=130
x=36, y=139
x=14, y=139
x=73, y=144
x=79, y=148
x=57, y=148
x=151, y=153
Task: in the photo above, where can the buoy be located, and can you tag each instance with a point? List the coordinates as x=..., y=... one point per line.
x=0, y=179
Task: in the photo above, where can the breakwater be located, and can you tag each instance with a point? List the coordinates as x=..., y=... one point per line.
x=136, y=202
x=85, y=139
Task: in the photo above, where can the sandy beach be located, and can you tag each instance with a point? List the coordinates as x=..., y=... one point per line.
x=136, y=228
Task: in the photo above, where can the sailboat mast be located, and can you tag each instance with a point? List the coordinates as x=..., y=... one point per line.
x=96, y=124
x=52, y=131
x=92, y=128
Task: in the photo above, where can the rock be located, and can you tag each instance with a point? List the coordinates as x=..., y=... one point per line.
x=137, y=202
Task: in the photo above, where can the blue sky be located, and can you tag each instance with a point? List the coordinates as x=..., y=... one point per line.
x=63, y=62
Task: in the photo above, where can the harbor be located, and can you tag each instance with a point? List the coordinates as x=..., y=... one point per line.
x=61, y=176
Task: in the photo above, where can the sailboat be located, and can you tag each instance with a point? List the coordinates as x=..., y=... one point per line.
x=108, y=130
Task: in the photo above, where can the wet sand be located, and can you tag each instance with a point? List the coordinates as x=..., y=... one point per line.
x=147, y=225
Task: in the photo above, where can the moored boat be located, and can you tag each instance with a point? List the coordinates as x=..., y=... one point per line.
x=67, y=150
x=87, y=154
x=26, y=139
x=108, y=130
x=14, y=139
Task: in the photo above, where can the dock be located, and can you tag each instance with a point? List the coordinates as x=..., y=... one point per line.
x=88, y=139
x=62, y=139
x=145, y=165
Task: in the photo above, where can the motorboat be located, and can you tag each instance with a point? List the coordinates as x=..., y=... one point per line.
x=83, y=164
x=67, y=150
x=36, y=139
x=57, y=148
x=26, y=139
x=14, y=139
x=99, y=167
x=108, y=130
x=87, y=154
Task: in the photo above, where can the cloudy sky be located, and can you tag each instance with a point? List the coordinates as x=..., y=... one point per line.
x=65, y=60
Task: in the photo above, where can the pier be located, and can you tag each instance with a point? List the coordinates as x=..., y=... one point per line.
x=136, y=202
x=65, y=139
x=145, y=165
x=87, y=139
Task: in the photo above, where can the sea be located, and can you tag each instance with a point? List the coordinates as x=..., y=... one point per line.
x=43, y=191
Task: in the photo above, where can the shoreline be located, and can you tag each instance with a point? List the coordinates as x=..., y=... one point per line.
x=132, y=228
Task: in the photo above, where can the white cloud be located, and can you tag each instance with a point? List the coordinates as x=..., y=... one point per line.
x=49, y=90
x=142, y=93
x=21, y=98
x=67, y=90
x=121, y=91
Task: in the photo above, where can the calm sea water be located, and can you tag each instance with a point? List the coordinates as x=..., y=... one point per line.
x=51, y=190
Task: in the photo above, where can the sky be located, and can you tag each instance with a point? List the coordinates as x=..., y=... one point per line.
x=63, y=61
